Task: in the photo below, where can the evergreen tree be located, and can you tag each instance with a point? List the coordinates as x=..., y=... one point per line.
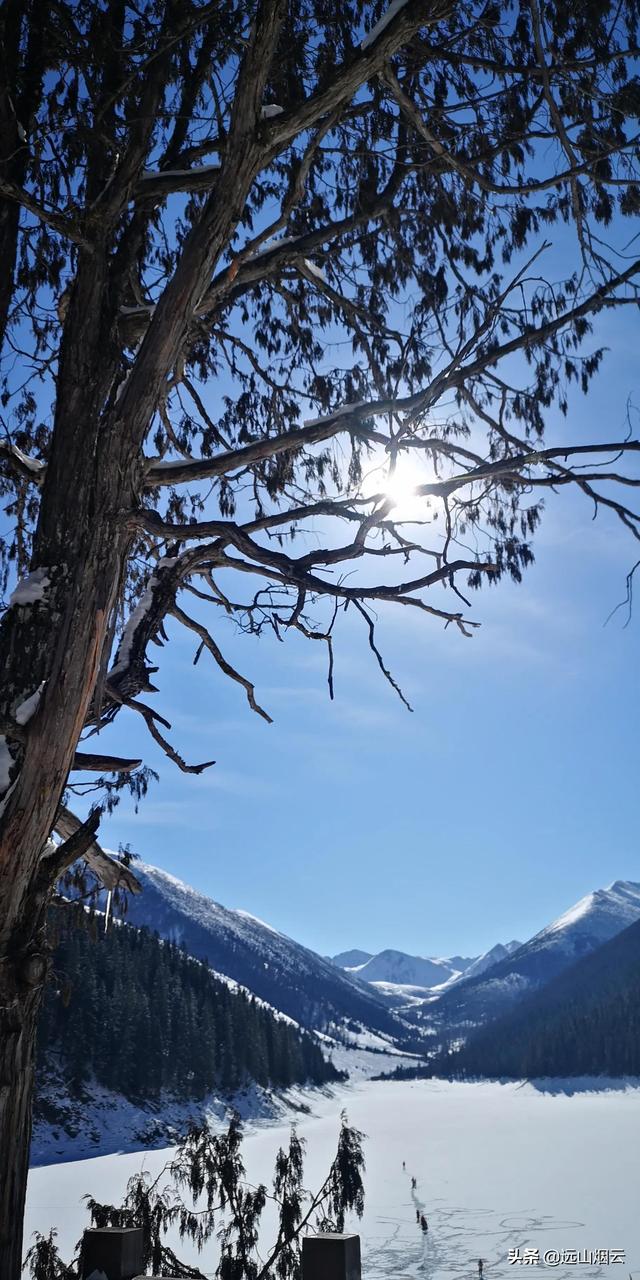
x=141, y=1017
x=584, y=1022
x=204, y=1190
x=198, y=203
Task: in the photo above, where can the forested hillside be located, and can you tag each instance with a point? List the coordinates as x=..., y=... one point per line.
x=585, y=1022
x=141, y=1016
x=295, y=980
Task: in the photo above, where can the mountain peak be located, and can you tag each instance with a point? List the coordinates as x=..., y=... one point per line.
x=621, y=900
x=582, y=929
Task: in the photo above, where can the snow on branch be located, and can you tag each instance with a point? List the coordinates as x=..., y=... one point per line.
x=316, y=271
x=159, y=182
x=21, y=464
x=383, y=23
x=32, y=589
x=142, y=626
x=79, y=842
x=28, y=708
x=344, y=411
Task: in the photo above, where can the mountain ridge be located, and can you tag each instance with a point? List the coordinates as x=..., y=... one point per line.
x=276, y=968
x=578, y=931
x=585, y=1021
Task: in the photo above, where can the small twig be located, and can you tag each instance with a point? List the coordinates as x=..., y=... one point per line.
x=628, y=600
x=150, y=716
x=372, y=645
x=210, y=644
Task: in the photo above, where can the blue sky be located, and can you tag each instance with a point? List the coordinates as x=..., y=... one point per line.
x=508, y=794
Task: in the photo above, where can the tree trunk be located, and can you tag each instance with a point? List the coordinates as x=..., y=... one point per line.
x=57, y=644
x=21, y=985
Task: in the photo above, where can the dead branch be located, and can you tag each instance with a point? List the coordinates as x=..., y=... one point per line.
x=150, y=717
x=210, y=644
x=91, y=763
x=109, y=872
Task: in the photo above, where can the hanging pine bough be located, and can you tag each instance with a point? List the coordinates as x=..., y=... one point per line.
x=203, y=1192
x=200, y=203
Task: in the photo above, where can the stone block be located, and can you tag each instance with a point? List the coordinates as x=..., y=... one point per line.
x=116, y=1252
x=331, y=1256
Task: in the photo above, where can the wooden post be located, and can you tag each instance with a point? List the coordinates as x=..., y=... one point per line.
x=114, y=1253
x=331, y=1256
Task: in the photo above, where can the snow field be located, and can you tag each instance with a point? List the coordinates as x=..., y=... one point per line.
x=498, y=1167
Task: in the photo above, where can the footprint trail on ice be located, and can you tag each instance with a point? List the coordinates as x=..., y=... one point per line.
x=457, y=1237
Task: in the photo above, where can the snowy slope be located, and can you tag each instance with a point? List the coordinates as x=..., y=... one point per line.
x=500, y=952
x=592, y=921
x=585, y=1020
x=287, y=975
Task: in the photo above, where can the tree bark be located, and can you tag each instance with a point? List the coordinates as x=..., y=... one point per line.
x=81, y=544
x=86, y=522
x=22, y=978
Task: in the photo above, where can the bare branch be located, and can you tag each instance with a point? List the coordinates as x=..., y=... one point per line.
x=347, y=418
x=109, y=872
x=63, y=225
x=77, y=845
x=210, y=644
x=374, y=649
x=150, y=717
x=91, y=763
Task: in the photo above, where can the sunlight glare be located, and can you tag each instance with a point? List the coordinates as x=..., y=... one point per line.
x=400, y=487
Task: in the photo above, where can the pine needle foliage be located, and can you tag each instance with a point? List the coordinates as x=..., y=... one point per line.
x=202, y=1193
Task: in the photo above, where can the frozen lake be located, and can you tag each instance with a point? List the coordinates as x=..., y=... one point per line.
x=498, y=1167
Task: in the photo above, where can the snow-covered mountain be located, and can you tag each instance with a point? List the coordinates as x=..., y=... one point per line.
x=288, y=976
x=404, y=970
x=500, y=952
x=584, y=1022
x=592, y=921
x=399, y=975
x=349, y=959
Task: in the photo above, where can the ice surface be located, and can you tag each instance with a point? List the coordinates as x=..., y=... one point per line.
x=497, y=1167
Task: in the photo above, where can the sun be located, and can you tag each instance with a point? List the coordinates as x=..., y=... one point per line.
x=400, y=486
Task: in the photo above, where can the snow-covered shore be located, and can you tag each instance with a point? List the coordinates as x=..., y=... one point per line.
x=102, y=1122
x=499, y=1167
